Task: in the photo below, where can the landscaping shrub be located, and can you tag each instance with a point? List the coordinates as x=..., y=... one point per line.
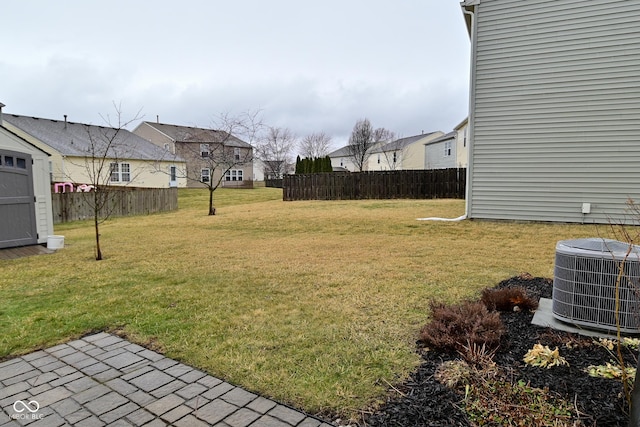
x=454, y=327
x=506, y=299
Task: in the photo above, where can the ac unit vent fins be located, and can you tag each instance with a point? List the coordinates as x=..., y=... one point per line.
x=586, y=275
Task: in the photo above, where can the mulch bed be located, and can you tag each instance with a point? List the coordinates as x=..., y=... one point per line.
x=599, y=402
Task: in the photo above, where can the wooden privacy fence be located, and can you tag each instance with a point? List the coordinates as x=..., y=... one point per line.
x=275, y=183
x=122, y=202
x=405, y=184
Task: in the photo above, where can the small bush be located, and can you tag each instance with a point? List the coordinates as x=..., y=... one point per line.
x=506, y=299
x=544, y=357
x=453, y=373
x=454, y=327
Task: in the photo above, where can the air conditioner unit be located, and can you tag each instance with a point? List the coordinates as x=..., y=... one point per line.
x=586, y=275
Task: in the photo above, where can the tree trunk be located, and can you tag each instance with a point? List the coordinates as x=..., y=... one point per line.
x=634, y=413
x=212, y=210
x=97, y=228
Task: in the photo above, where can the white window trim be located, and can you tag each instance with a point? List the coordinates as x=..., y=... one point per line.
x=205, y=150
x=205, y=173
x=234, y=175
x=447, y=149
x=119, y=172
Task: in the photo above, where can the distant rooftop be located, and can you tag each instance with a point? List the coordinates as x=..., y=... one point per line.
x=194, y=134
x=75, y=139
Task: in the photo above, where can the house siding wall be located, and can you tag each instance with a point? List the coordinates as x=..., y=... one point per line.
x=555, y=110
x=343, y=162
x=462, y=147
x=435, y=158
x=195, y=164
x=144, y=174
x=153, y=135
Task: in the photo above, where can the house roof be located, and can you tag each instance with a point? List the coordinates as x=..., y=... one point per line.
x=445, y=137
x=462, y=123
x=75, y=139
x=194, y=134
x=340, y=152
x=9, y=131
x=400, y=144
x=469, y=6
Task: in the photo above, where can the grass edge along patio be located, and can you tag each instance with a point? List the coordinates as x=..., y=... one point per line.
x=316, y=304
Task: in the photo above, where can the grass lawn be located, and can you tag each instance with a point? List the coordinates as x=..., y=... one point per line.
x=317, y=304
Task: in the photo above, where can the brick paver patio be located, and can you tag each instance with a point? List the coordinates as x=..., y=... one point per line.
x=104, y=380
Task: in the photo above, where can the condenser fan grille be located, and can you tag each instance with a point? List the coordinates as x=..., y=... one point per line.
x=584, y=285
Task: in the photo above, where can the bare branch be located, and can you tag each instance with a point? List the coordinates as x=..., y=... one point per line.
x=275, y=151
x=315, y=145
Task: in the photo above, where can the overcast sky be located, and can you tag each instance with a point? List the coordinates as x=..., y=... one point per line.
x=308, y=66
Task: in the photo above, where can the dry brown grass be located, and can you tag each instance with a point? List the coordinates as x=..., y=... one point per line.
x=317, y=304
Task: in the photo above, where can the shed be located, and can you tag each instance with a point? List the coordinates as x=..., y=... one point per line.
x=26, y=216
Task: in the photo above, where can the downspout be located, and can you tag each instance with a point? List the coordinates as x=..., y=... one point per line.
x=472, y=36
x=472, y=82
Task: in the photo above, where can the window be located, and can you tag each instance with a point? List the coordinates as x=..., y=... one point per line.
x=204, y=150
x=236, y=154
x=447, y=148
x=395, y=157
x=172, y=173
x=115, y=172
x=120, y=172
x=464, y=140
x=233, y=175
x=205, y=175
x=125, y=172
x=378, y=158
x=8, y=161
x=21, y=163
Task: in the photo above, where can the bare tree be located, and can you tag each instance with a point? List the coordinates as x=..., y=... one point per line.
x=222, y=154
x=275, y=151
x=103, y=154
x=392, y=151
x=315, y=145
x=361, y=143
x=363, y=139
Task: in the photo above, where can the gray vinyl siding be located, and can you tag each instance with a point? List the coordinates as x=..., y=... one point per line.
x=435, y=158
x=555, y=110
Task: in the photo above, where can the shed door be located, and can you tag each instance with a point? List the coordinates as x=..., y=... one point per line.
x=17, y=201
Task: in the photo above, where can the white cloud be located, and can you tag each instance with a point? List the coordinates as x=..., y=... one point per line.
x=309, y=66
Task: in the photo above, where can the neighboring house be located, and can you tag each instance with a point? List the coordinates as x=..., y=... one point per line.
x=342, y=161
x=440, y=153
x=401, y=154
x=275, y=169
x=132, y=160
x=26, y=216
x=462, y=148
x=258, y=170
x=554, y=125
x=198, y=146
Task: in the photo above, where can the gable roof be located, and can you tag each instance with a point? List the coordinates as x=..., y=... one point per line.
x=340, y=152
x=193, y=134
x=464, y=122
x=9, y=131
x=400, y=144
x=445, y=137
x=75, y=139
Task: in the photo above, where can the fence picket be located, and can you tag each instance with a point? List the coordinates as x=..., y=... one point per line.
x=126, y=201
x=406, y=184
